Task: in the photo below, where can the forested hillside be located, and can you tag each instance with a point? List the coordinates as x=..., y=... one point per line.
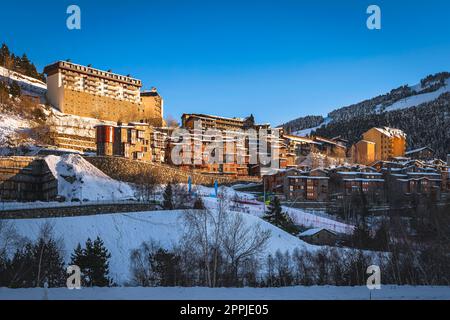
x=425, y=125
x=20, y=64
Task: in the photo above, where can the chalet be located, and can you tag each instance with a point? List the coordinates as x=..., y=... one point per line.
x=312, y=186
x=274, y=182
x=319, y=236
x=424, y=153
x=347, y=183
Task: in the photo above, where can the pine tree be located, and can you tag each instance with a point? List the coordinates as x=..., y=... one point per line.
x=48, y=264
x=93, y=261
x=361, y=236
x=4, y=92
x=35, y=265
x=198, y=204
x=14, y=89
x=165, y=267
x=78, y=257
x=277, y=217
x=168, y=197
x=381, y=238
x=4, y=54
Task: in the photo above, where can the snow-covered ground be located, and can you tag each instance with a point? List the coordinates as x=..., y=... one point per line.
x=77, y=178
x=27, y=84
x=123, y=232
x=418, y=99
x=305, y=132
x=299, y=216
x=387, y=292
x=10, y=127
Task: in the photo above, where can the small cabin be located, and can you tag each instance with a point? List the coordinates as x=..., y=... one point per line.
x=320, y=236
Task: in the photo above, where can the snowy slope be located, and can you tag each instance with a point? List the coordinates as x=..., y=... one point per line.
x=305, y=132
x=77, y=178
x=412, y=101
x=256, y=208
x=125, y=232
x=10, y=127
x=418, y=99
x=28, y=85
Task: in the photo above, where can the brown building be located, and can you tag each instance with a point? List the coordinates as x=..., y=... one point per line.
x=137, y=141
x=310, y=186
x=274, y=182
x=89, y=92
x=425, y=153
x=195, y=151
x=344, y=183
x=153, y=106
x=364, y=152
x=319, y=236
x=188, y=121
x=389, y=143
x=239, y=157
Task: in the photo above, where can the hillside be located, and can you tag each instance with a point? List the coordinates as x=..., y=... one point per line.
x=125, y=232
x=422, y=111
x=425, y=125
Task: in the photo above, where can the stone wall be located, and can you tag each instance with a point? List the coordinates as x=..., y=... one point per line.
x=26, y=179
x=94, y=106
x=75, y=211
x=125, y=170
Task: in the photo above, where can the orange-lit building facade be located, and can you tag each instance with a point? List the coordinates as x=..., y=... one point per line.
x=389, y=142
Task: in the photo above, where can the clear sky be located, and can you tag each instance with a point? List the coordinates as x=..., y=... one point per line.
x=277, y=59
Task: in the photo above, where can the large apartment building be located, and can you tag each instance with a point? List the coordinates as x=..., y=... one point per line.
x=268, y=142
x=89, y=92
x=380, y=144
x=188, y=121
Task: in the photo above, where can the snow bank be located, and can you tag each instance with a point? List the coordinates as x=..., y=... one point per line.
x=79, y=179
x=387, y=292
x=124, y=232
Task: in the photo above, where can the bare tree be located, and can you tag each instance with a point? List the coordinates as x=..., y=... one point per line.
x=145, y=186
x=10, y=240
x=223, y=235
x=241, y=241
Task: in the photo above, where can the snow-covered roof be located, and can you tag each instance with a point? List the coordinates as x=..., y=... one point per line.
x=424, y=173
x=418, y=150
x=391, y=132
x=313, y=231
x=308, y=177
x=364, y=180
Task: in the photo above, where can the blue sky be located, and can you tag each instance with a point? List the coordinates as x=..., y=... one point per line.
x=276, y=59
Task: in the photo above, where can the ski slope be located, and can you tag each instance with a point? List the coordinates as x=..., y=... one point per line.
x=418, y=99
x=306, y=132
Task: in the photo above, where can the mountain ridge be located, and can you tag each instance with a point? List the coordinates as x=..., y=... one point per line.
x=422, y=111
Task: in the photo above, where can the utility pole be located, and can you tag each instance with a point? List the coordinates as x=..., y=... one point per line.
x=264, y=192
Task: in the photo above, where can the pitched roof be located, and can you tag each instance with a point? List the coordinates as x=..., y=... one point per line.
x=418, y=150
x=313, y=231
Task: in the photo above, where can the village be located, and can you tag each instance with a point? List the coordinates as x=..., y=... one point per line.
x=127, y=123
